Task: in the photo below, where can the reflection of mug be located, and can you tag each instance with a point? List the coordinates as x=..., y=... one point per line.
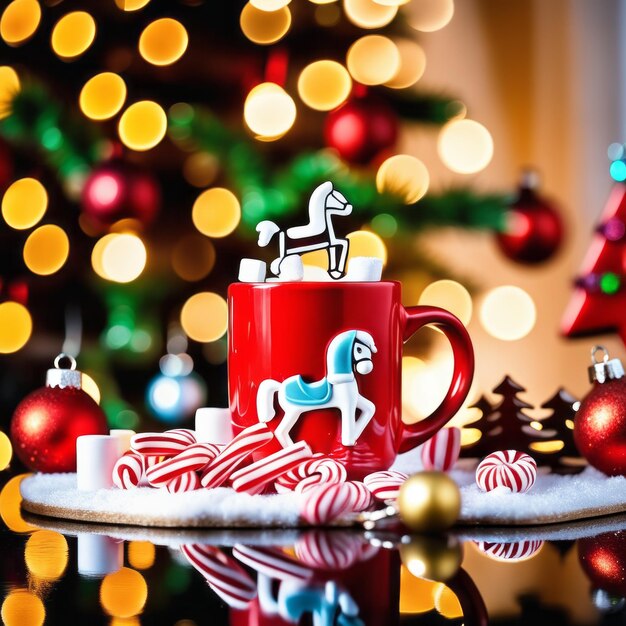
x=322, y=362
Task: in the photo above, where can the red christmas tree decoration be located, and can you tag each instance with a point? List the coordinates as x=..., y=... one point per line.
x=599, y=299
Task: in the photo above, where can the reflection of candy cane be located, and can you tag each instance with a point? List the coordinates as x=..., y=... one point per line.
x=244, y=444
x=196, y=457
x=518, y=551
x=506, y=468
x=272, y=562
x=159, y=444
x=328, y=551
x=128, y=471
x=314, y=471
x=189, y=481
x=326, y=503
x=385, y=485
x=225, y=576
x=252, y=479
x=442, y=450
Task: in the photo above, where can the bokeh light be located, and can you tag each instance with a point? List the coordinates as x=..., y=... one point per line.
x=163, y=41
x=123, y=258
x=10, y=506
x=204, y=317
x=124, y=593
x=424, y=384
x=24, y=203
x=368, y=14
x=412, y=64
x=216, y=212
x=264, y=27
x=465, y=146
x=430, y=15
x=46, y=554
x=446, y=602
x=366, y=243
x=90, y=387
x=141, y=554
x=46, y=250
x=449, y=295
x=9, y=88
x=73, y=34
x=19, y=21
x=6, y=451
x=102, y=96
x=269, y=111
x=200, y=169
x=324, y=85
x=269, y=5
x=131, y=5
x=193, y=257
x=16, y=326
x=373, y=60
x=404, y=176
x=22, y=608
x=416, y=594
x=508, y=313
x=142, y=125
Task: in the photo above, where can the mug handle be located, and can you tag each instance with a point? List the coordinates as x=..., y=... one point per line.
x=414, y=318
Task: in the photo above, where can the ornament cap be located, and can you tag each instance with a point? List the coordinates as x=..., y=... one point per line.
x=605, y=370
x=63, y=377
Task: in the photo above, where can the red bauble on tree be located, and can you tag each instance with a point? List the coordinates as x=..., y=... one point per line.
x=533, y=230
x=47, y=422
x=118, y=190
x=600, y=424
x=361, y=128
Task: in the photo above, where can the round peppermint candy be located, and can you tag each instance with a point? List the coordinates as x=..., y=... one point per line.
x=506, y=468
x=442, y=450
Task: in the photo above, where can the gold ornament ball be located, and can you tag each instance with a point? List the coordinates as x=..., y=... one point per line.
x=432, y=557
x=429, y=502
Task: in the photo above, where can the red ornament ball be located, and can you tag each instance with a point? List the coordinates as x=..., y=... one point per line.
x=361, y=128
x=533, y=230
x=118, y=190
x=48, y=421
x=603, y=559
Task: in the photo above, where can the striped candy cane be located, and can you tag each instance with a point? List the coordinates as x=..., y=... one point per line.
x=385, y=485
x=160, y=444
x=442, y=450
x=128, y=471
x=310, y=473
x=189, y=481
x=193, y=458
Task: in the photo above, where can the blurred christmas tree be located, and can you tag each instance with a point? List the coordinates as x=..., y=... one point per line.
x=144, y=140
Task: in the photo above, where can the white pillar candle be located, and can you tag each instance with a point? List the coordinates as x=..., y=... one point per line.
x=214, y=425
x=99, y=555
x=96, y=456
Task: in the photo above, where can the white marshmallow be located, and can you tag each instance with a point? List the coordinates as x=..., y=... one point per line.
x=123, y=436
x=314, y=274
x=252, y=271
x=99, y=555
x=367, y=269
x=291, y=269
x=96, y=456
x=214, y=425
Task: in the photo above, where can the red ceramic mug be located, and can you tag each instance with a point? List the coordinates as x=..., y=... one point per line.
x=321, y=362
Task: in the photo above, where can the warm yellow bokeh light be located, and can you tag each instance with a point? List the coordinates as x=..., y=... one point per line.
x=416, y=594
x=96, y=253
x=404, y=176
x=204, y=317
x=131, y=5
x=367, y=243
x=449, y=295
x=23, y=608
x=373, y=60
x=163, y=41
x=46, y=554
x=269, y=5
x=269, y=111
x=324, y=85
x=141, y=554
x=142, y=125
x=6, y=451
x=126, y=621
x=200, y=169
x=264, y=27
x=412, y=64
x=216, y=212
x=90, y=387
x=446, y=602
x=123, y=258
x=24, y=203
x=465, y=146
x=9, y=88
x=368, y=14
x=73, y=34
x=46, y=250
x=10, y=509
x=193, y=257
x=508, y=313
x=102, y=96
x=19, y=21
x=124, y=593
x=16, y=326
x=424, y=385
x=430, y=15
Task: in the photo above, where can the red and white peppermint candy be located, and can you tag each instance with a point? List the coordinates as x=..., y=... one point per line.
x=242, y=446
x=334, y=551
x=506, y=468
x=185, y=432
x=159, y=444
x=128, y=471
x=361, y=495
x=189, y=481
x=442, y=450
x=253, y=478
x=225, y=576
x=511, y=552
x=385, y=485
x=326, y=503
x=312, y=472
x=194, y=458
x=272, y=562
